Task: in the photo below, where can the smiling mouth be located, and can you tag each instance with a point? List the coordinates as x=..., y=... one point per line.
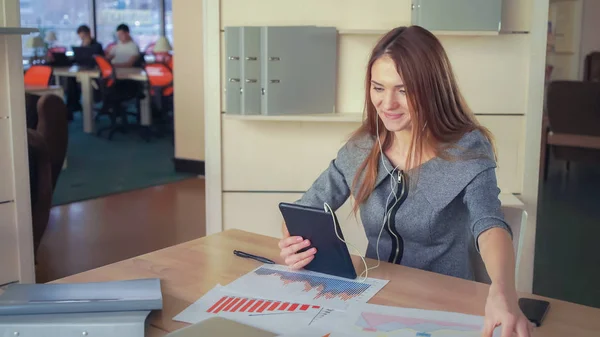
x=393, y=116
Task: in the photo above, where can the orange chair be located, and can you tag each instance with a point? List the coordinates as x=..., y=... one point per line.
x=160, y=79
x=38, y=75
x=114, y=94
x=107, y=71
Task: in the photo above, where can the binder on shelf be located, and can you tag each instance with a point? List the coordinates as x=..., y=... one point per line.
x=115, y=296
x=233, y=70
x=281, y=70
x=251, y=65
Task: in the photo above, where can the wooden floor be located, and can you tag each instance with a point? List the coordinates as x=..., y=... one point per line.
x=93, y=233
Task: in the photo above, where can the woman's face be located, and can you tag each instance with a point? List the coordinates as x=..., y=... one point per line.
x=388, y=95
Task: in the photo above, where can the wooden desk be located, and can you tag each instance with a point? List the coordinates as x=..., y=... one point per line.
x=155, y=332
x=191, y=269
x=85, y=77
x=43, y=90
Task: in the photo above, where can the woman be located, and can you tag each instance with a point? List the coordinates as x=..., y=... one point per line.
x=422, y=172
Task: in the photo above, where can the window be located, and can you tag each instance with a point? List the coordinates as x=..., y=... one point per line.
x=60, y=16
x=169, y=20
x=142, y=17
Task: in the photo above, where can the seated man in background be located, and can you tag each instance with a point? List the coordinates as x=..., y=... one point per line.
x=85, y=34
x=126, y=53
x=73, y=88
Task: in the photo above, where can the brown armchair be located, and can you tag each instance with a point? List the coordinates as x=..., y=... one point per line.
x=47, y=142
x=573, y=130
x=591, y=71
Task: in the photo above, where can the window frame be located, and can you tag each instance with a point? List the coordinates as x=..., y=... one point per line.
x=94, y=20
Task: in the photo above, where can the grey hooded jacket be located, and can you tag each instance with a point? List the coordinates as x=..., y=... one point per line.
x=436, y=223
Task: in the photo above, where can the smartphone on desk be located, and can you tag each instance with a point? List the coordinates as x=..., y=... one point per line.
x=534, y=310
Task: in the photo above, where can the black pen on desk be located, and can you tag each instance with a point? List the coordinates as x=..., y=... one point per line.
x=254, y=257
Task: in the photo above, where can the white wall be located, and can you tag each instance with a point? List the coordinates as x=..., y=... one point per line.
x=590, y=31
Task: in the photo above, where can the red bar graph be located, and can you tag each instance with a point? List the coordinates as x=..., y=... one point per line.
x=231, y=304
x=263, y=307
x=229, y=299
x=245, y=307
x=217, y=303
x=256, y=305
x=274, y=306
x=242, y=304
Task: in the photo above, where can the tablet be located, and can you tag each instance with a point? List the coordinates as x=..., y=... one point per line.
x=315, y=224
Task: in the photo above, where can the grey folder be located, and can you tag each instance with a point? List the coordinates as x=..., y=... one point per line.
x=131, y=295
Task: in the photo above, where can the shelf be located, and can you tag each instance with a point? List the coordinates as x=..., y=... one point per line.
x=565, y=52
x=338, y=117
x=435, y=32
x=17, y=30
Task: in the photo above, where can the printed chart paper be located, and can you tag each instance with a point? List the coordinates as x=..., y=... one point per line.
x=277, y=316
x=384, y=321
x=277, y=281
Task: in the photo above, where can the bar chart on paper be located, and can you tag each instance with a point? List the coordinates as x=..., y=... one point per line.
x=274, y=315
x=258, y=306
x=306, y=286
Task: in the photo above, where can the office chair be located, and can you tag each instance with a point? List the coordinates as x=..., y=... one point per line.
x=114, y=95
x=573, y=116
x=160, y=79
x=591, y=70
x=38, y=75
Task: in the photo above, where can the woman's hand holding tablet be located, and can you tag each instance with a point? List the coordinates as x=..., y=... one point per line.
x=290, y=247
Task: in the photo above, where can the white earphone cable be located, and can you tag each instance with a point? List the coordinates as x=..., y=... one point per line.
x=393, y=184
x=328, y=209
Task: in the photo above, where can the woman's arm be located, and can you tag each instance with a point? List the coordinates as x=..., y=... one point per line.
x=494, y=243
x=498, y=256
x=501, y=307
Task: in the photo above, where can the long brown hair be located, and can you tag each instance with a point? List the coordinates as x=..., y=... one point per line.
x=439, y=113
